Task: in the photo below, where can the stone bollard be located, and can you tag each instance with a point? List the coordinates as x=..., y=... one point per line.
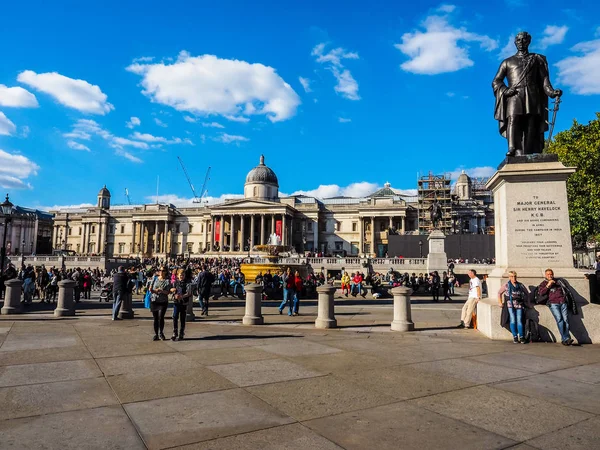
x=253, y=305
x=189, y=314
x=326, y=311
x=66, y=303
x=402, y=316
x=12, y=297
x=126, y=311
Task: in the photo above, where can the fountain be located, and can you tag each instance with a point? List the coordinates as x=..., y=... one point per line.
x=268, y=256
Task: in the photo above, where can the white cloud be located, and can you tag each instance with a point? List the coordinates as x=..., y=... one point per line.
x=143, y=59
x=446, y=8
x=440, y=48
x=580, y=73
x=160, y=123
x=128, y=156
x=15, y=169
x=77, y=146
x=229, y=138
x=357, y=190
x=189, y=119
x=553, y=35
x=78, y=134
x=305, y=82
x=212, y=125
x=150, y=138
x=240, y=119
x=344, y=120
x=475, y=172
x=7, y=128
x=76, y=94
x=63, y=207
x=346, y=85
x=184, y=201
x=17, y=97
x=210, y=85
x=133, y=122
x=509, y=49
x=118, y=142
x=25, y=130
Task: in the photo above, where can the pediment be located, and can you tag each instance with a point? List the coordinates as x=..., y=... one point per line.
x=248, y=204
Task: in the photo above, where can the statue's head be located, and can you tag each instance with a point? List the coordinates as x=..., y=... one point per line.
x=522, y=41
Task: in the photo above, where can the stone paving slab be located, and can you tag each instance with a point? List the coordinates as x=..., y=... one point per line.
x=311, y=398
x=48, y=372
x=36, y=399
x=263, y=372
x=585, y=374
x=561, y=391
x=155, y=364
x=107, y=428
x=287, y=437
x=212, y=357
x=35, y=341
x=401, y=425
x=527, y=362
x=581, y=436
x=298, y=347
x=32, y=356
x=184, y=420
x=101, y=349
x=515, y=416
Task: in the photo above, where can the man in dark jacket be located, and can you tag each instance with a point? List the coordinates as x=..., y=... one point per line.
x=560, y=302
x=120, y=286
x=205, y=282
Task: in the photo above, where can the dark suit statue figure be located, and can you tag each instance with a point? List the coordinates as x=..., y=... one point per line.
x=521, y=107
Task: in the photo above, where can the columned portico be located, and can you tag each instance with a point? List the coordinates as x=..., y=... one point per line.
x=373, y=251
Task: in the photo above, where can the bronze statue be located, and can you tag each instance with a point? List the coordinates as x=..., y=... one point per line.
x=435, y=213
x=522, y=106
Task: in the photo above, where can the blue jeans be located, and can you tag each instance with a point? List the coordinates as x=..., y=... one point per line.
x=288, y=295
x=117, y=302
x=516, y=321
x=559, y=311
x=296, y=302
x=356, y=285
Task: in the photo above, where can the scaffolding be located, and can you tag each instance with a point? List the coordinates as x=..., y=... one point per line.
x=431, y=188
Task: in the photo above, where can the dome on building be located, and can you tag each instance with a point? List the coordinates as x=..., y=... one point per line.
x=262, y=174
x=104, y=192
x=463, y=178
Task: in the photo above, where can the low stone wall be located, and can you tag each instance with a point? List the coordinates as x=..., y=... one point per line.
x=585, y=326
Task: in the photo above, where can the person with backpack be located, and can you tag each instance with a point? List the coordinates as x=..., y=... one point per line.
x=205, y=282
x=182, y=293
x=512, y=296
x=558, y=297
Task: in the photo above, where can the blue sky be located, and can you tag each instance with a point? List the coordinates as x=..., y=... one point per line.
x=340, y=96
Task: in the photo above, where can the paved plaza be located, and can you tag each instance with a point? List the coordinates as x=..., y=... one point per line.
x=88, y=382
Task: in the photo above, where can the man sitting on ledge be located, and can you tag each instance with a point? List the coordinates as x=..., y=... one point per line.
x=560, y=301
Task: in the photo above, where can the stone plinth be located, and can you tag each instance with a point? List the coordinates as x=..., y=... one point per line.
x=66, y=304
x=402, y=313
x=326, y=309
x=12, y=297
x=189, y=314
x=437, y=259
x=126, y=311
x=253, y=315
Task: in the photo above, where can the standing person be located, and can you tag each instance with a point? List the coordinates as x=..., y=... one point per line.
x=160, y=300
x=435, y=286
x=298, y=285
x=87, y=285
x=77, y=278
x=288, y=291
x=205, y=282
x=446, y=286
x=182, y=292
x=120, y=285
x=345, y=283
x=513, y=294
x=139, y=281
x=471, y=303
x=560, y=302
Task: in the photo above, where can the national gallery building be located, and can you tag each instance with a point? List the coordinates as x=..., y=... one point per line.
x=340, y=225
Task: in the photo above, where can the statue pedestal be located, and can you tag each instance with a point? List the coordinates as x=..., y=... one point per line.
x=437, y=259
x=532, y=233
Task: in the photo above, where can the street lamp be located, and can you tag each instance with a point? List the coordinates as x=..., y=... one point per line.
x=23, y=247
x=7, y=209
x=420, y=249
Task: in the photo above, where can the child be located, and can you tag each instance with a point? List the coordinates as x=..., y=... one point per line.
x=182, y=292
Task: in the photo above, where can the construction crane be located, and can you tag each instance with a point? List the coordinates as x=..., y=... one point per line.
x=204, y=191
x=127, y=195
x=196, y=198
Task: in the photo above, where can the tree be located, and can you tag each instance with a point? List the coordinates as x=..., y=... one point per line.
x=579, y=146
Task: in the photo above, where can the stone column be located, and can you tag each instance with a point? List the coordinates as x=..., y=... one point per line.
x=402, y=315
x=251, y=231
x=262, y=229
x=272, y=224
x=12, y=297
x=361, y=238
x=316, y=235
x=155, y=246
x=206, y=222
x=232, y=238
x=84, y=231
x=142, y=237
x=126, y=311
x=373, y=251
x=326, y=311
x=221, y=233
x=66, y=304
x=403, y=224
x=164, y=238
x=283, y=230
x=133, y=232
x=391, y=222
x=213, y=231
x=253, y=314
x=99, y=243
x=242, y=235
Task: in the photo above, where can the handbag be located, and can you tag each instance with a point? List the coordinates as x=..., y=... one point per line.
x=147, y=299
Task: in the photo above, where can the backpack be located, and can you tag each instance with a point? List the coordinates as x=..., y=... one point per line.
x=540, y=299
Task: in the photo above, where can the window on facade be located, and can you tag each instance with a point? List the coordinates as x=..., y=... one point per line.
x=122, y=229
x=354, y=248
x=70, y=229
x=210, y=227
x=190, y=228
x=354, y=226
x=121, y=248
x=78, y=248
x=339, y=246
x=382, y=226
x=338, y=226
x=201, y=228
x=79, y=232
x=190, y=247
x=93, y=229
x=176, y=228
x=310, y=226
x=255, y=193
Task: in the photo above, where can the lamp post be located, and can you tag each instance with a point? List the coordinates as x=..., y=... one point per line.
x=6, y=212
x=105, y=248
x=23, y=247
x=420, y=249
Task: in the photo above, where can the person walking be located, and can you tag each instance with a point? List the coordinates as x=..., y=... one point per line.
x=182, y=293
x=120, y=285
x=446, y=286
x=159, y=302
x=472, y=300
x=298, y=285
x=561, y=301
x=513, y=295
x=288, y=291
x=205, y=282
x=435, y=286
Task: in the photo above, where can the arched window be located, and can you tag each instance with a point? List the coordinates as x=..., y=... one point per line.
x=255, y=191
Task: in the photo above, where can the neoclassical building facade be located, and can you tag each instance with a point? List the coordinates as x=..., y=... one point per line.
x=341, y=225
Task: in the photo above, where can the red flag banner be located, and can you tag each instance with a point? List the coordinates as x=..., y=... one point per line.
x=217, y=231
x=278, y=228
